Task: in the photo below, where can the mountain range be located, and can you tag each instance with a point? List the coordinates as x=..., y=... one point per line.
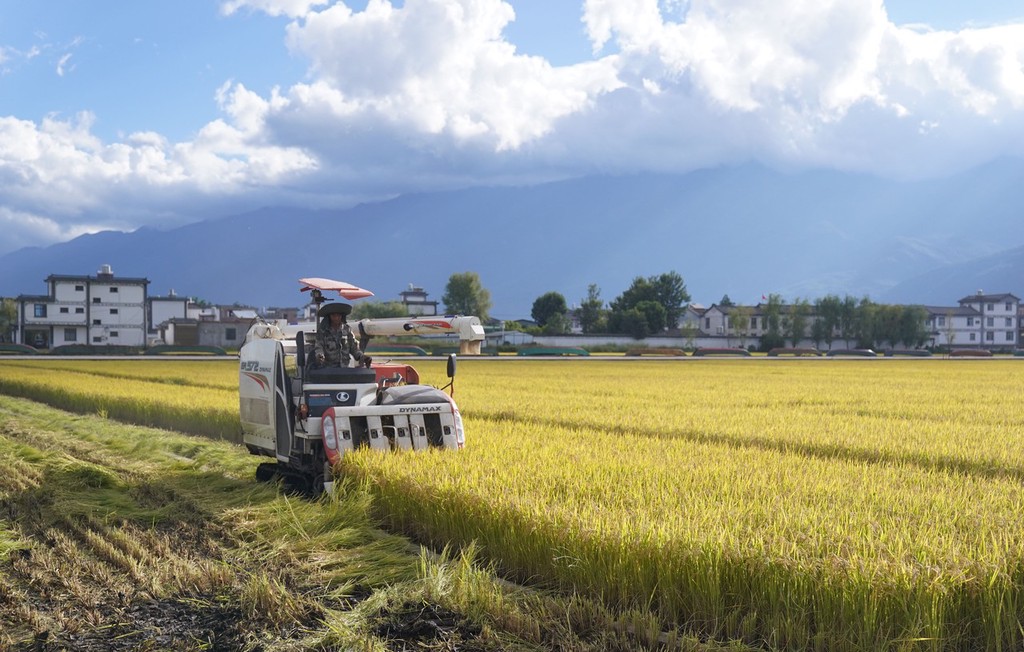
x=745, y=231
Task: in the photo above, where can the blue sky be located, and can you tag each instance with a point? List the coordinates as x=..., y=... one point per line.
x=123, y=113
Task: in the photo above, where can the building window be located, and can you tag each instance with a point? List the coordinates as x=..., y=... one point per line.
x=991, y=321
x=63, y=311
x=79, y=288
x=942, y=321
x=1009, y=322
x=95, y=299
x=990, y=336
x=113, y=333
x=70, y=335
x=970, y=321
x=229, y=334
x=1009, y=306
x=707, y=322
x=96, y=322
x=79, y=311
x=990, y=306
x=1009, y=336
x=113, y=290
x=973, y=336
x=96, y=339
x=753, y=323
x=113, y=311
x=39, y=310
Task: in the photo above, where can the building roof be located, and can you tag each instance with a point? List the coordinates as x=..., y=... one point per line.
x=955, y=311
x=988, y=298
x=103, y=278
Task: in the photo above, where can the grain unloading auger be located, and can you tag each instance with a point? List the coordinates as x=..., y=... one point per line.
x=309, y=417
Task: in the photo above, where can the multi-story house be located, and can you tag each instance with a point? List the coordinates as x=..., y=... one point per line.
x=997, y=325
x=416, y=303
x=987, y=321
x=953, y=326
x=100, y=310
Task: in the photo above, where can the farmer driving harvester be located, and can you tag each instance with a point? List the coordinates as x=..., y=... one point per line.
x=335, y=344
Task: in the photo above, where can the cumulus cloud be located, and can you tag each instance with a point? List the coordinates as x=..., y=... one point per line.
x=829, y=82
x=442, y=67
x=431, y=93
x=60, y=170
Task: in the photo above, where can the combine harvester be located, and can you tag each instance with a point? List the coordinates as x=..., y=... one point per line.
x=309, y=419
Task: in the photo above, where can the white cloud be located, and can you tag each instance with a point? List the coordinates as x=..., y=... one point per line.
x=431, y=94
x=442, y=67
x=22, y=229
x=61, y=63
x=809, y=82
x=61, y=170
x=291, y=8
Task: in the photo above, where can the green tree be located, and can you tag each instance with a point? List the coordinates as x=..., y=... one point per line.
x=848, y=319
x=632, y=322
x=772, y=311
x=548, y=306
x=726, y=302
x=887, y=324
x=949, y=330
x=592, y=311
x=466, y=295
x=8, y=319
x=913, y=329
x=667, y=289
x=864, y=329
x=557, y=324
x=654, y=313
x=819, y=332
x=829, y=310
x=799, y=313
x=378, y=310
x=739, y=322
x=670, y=292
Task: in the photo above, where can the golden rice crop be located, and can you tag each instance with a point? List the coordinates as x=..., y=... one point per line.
x=216, y=374
x=815, y=505
x=202, y=410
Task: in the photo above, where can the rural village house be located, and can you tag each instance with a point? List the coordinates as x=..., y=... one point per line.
x=104, y=310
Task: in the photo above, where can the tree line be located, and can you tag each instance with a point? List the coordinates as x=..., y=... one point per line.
x=859, y=323
x=654, y=304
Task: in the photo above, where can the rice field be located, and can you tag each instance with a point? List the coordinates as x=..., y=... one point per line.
x=797, y=505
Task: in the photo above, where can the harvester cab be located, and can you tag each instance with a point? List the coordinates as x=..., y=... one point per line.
x=308, y=417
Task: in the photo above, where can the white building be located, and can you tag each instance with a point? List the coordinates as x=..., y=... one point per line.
x=96, y=310
x=989, y=321
x=416, y=303
x=164, y=309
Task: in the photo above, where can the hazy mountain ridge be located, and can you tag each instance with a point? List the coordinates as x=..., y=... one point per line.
x=744, y=231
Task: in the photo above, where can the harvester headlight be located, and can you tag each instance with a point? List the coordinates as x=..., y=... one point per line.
x=330, y=434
